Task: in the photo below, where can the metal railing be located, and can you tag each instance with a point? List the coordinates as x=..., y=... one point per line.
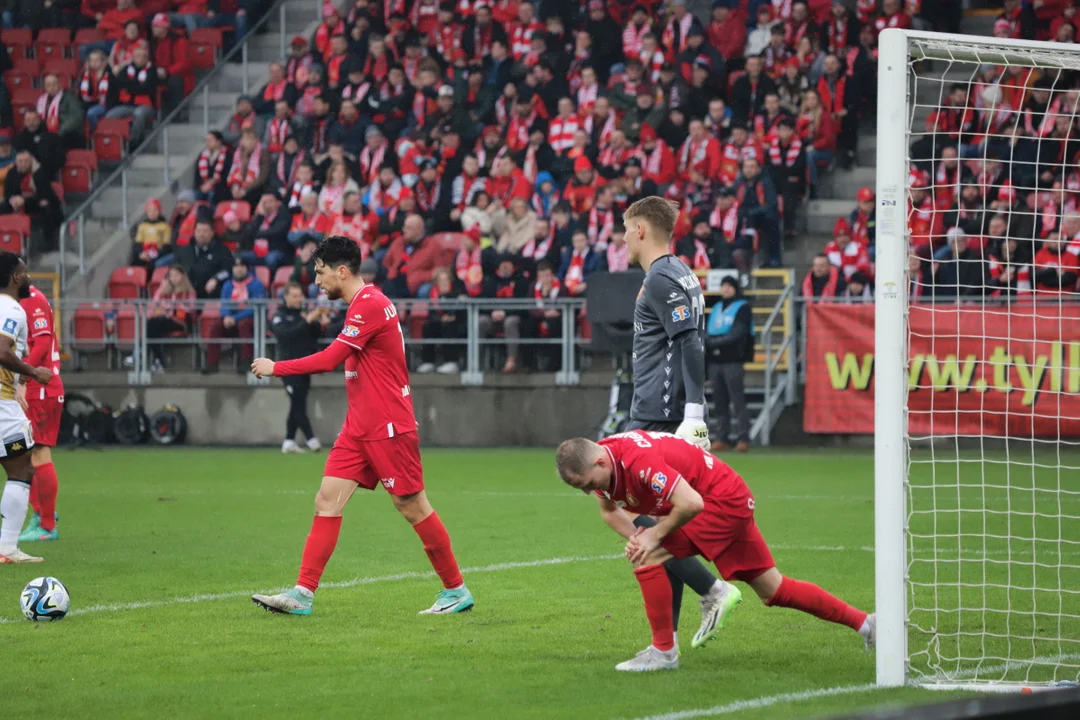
x=780, y=369
x=160, y=131
x=117, y=329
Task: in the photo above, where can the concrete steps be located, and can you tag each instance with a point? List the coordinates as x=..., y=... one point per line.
x=105, y=236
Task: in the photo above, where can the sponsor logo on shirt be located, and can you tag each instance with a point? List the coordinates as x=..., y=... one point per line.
x=406, y=391
x=750, y=503
x=350, y=375
x=680, y=313
x=388, y=482
x=674, y=298
x=659, y=482
x=10, y=325
x=41, y=324
x=350, y=331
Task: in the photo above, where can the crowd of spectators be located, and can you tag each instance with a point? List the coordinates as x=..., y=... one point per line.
x=525, y=129
x=992, y=189
x=139, y=66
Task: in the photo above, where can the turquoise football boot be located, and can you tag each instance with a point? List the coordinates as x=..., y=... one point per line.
x=451, y=601
x=290, y=602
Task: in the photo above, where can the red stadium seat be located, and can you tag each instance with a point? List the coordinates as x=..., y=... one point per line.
x=110, y=138
x=18, y=41
x=22, y=100
x=127, y=283
x=262, y=273
x=125, y=328
x=86, y=36
x=240, y=207
x=51, y=43
x=23, y=74
x=14, y=232
x=281, y=279
x=156, y=278
x=79, y=170
x=204, y=44
x=90, y=329
x=65, y=68
x=449, y=244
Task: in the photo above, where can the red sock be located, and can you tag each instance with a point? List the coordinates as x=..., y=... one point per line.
x=34, y=502
x=437, y=546
x=810, y=598
x=656, y=589
x=45, y=502
x=320, y=545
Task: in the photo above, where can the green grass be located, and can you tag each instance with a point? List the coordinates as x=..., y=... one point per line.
x=154, y=526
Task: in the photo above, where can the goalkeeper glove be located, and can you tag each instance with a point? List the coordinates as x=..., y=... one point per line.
x=693, y=428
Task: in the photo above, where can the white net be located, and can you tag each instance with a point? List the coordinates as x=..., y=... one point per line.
x=993, y=328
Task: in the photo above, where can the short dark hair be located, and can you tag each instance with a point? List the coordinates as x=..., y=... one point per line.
x=573, y=457
x=9, y=263
x=544, y=265
x=338, y=250
x=293, y=285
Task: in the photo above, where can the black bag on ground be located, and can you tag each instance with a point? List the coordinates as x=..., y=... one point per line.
x=131, y=425
x=168, y=426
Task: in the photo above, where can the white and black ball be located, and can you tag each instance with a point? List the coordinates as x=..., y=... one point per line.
x=45, y=599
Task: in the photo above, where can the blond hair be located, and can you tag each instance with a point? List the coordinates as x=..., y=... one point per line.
x=660, y=214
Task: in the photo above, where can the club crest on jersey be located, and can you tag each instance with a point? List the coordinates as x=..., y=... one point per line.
x=350, y=331
x=659, y=482
x=41, y=324
x=680, y=313
x=10, y=325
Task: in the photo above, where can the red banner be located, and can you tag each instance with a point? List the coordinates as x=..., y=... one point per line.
x=1000, y=371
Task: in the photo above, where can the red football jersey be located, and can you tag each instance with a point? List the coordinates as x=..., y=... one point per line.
x=42, y=350
x=376, y=376
x=649, y=465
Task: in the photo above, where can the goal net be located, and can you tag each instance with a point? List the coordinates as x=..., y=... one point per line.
x=977, y=362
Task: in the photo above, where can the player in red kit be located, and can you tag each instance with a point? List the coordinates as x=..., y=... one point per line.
x=703, y=508
x=378, y=443
x=45, y=405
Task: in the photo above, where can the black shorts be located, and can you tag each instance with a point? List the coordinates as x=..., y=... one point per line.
x=653, y=426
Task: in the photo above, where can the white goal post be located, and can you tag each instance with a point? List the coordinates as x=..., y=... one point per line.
x=977, y=532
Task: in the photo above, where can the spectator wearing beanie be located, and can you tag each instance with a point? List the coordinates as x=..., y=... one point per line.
x=153, y=236
x=581, y=190
x=234, y=233
x=729, y=341
x=237, y=318
x=859, y=288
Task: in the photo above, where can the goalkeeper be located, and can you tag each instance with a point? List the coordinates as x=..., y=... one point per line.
x=669, y=376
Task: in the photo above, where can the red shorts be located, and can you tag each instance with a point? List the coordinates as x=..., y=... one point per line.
x=731, y=542
x=394, y=462
x=44, y=416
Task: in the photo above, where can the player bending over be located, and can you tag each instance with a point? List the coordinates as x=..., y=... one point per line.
x=45, y=405
x=669, y=376
x=704, y=508
x=15, y=433
x=378, y=441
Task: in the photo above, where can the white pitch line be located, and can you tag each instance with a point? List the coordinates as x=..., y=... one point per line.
x=763, y=702
x=338, y=584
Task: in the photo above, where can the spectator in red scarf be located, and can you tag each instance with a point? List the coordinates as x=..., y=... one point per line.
x=61, y=111
x=823, y=280
x=237, y=318
x=112, y=23
x=445, y=324
x=94, y=84
x=243, y=119
x=579, y=261
x=170, y=313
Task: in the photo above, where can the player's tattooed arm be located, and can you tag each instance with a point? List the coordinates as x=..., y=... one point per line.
x=616, y=518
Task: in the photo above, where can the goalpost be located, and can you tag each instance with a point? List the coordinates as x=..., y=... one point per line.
x=977, y=406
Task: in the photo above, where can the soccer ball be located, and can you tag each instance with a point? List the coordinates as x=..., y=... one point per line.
x=44, y=599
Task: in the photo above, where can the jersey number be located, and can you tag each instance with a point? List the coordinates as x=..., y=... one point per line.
x=697, y=307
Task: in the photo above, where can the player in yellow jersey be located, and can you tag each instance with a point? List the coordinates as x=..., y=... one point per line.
x=16, y=438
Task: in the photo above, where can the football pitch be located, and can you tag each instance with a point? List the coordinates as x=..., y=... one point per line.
x=160, y=550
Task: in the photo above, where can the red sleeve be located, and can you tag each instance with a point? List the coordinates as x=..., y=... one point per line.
x=714, y=160
x=320, y=362
x=181, y=62
x=40, y=346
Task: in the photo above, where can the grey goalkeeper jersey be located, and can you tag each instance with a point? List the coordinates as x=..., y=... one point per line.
x=669, y=304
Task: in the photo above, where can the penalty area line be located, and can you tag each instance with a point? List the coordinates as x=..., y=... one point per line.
x=763, y=702
x=355, y=582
